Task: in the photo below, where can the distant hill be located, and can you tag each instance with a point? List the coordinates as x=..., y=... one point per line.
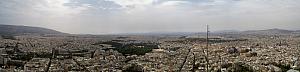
x=161, y=33
x=297, y=31
x=226, y=31
x=269, y=31
x=21, y=30
x=274, y=31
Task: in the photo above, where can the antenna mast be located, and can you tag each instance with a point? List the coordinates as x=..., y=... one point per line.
x=207, y=44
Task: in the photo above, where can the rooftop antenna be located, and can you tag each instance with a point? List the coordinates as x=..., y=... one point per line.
x=207, y=43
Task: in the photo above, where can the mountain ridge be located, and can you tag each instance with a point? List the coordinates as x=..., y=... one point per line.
x=22, y=30
x=270, y=31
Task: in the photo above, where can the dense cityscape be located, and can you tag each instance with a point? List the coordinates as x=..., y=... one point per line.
x=151, y=53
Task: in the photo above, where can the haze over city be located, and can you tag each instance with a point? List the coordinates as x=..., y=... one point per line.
x=140, y=16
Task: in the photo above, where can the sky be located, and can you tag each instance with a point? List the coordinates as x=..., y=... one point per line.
x=142, y=16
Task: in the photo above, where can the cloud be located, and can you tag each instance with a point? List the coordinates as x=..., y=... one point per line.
x=59, y=8
x=123, y=16
x=174, y=3
x=128, y=3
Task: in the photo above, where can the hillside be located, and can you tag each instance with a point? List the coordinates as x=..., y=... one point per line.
x=21, y=30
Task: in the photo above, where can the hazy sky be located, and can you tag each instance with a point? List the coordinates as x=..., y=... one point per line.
x=134, y=16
